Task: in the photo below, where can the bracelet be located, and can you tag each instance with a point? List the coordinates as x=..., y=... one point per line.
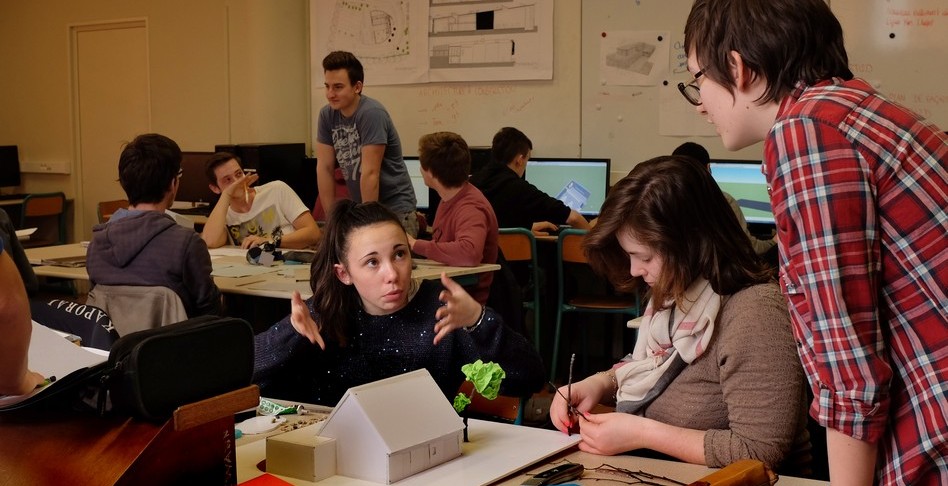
x=479, y=320
x=615, y=382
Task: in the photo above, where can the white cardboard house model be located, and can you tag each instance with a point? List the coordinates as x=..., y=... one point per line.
x=390, y=429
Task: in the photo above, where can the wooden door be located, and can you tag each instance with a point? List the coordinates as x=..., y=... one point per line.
x=111, y=92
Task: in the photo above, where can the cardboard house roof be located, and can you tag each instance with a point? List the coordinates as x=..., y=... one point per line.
x=403, y=410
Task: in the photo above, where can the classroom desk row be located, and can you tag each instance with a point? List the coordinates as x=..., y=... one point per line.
x=278, y=281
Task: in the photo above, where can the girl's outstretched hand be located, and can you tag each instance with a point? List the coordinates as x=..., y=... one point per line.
x=459, y=309
x=303, y=321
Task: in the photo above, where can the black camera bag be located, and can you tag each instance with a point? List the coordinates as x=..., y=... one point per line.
x=150, y=373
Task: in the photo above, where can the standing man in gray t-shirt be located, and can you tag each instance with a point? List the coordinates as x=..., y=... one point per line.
x=356, y=132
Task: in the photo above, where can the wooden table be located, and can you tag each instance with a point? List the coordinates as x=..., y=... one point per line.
x=481, y=453
x=11, y=202
x=57, y=447
x=280, y=283
x=679, y=471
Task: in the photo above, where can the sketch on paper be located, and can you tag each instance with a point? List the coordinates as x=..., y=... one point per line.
x=492, y=53
x=388, y=36
x=376, y=30
x=478, y=41
x=500, y=20
x=634, y=58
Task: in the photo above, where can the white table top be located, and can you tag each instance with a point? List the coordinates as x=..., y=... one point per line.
x=495, y=451
x=278, y=283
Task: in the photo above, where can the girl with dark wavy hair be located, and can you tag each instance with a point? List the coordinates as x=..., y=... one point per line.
x=369, y=320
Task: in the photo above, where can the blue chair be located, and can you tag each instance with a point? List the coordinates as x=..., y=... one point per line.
x=569, y=249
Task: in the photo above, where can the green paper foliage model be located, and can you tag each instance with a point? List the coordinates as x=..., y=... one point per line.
x=486, y=378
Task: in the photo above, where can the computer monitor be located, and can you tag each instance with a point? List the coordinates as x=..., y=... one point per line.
x=579, y=183
x=417, y=182
x=194, y=185
x=744, y=180
x=9, y=166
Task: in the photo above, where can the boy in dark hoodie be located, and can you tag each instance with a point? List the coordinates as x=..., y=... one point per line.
x=143, y=246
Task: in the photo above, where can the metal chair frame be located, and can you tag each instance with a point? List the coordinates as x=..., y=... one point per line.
x=519, y=245
x=569, y=249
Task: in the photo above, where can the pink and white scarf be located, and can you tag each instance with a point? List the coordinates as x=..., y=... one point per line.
x=671, y=335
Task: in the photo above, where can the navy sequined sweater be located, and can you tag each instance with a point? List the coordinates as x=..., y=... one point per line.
x=289, y=367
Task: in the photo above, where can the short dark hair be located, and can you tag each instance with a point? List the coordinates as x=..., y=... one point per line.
x=508, y=143
x=345, y=60
x=147, y=166
x=785, y=41
x=216, y=160
x=334, y=301
x=695, y=151
x=672, y=205
x=446, y=156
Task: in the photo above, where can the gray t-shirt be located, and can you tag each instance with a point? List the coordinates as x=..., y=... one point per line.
x=369, y=125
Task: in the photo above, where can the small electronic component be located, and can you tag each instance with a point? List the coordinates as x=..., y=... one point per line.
x=556, y=475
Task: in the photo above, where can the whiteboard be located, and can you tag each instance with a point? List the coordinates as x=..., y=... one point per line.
x=901, y=48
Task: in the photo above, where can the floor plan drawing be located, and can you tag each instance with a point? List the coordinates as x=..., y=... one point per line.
x=377, y=29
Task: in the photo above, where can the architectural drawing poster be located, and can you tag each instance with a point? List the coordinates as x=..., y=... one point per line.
x=404, y=42
x=388, y=37
x=476, y=41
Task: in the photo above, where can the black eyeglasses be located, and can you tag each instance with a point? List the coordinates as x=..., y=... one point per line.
x=690, y=91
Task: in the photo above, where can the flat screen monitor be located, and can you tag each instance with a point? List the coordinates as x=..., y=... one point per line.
x=194, y=185
x=579, y=183
x=744, y=180
x=9, y=166
x=417, y=182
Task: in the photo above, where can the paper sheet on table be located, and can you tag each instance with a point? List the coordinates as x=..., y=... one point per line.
x=241, y=270
x=227, y=251
x=287, y=286
x=52, y=355
x=24, y=234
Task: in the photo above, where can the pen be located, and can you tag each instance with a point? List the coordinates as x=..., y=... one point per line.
x=46, y=382
x=569, y=382
x=570, y=408
x=249, y=283
x=246, y=194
